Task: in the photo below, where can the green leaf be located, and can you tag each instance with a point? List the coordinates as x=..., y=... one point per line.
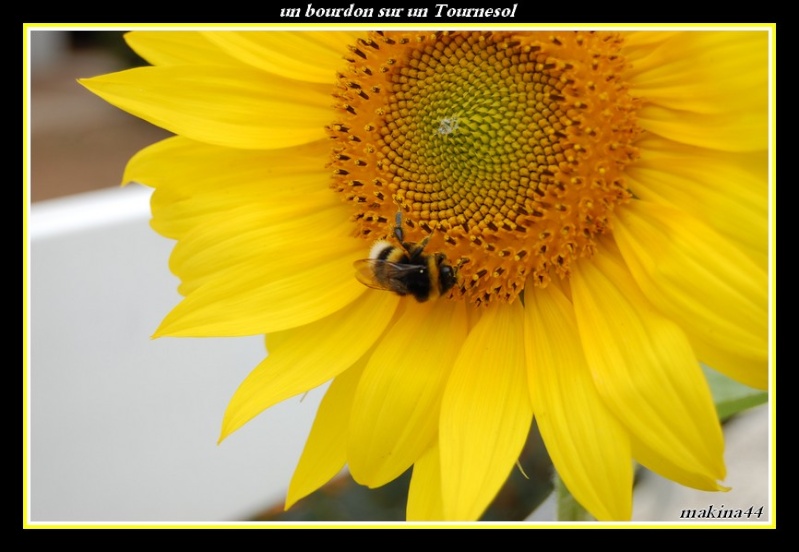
x=568, y=509
x=730, y=396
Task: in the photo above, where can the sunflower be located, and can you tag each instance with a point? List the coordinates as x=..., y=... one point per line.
x=598, y=201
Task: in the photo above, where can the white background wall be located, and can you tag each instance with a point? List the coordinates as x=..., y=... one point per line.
x=122, y=427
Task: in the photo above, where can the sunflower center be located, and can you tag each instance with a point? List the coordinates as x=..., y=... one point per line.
x=507, y=149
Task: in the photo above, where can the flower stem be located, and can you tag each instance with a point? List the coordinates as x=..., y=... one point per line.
x=568, y=509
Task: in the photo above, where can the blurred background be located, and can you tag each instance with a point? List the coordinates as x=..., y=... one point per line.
x=79, y=142
x=123, y=428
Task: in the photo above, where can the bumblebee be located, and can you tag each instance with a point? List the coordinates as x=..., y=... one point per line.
x=406, y=269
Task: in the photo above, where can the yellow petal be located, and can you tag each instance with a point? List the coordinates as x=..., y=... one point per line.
x=177, y=48
x=640, y=45
x=273, y=240
x=728, y=191
x=198, y=185
x=656, y=462
x=705, y=72
x=242, y=300
x=708, y=89
x=310, y=355
x=227, y=106
x=325, y=451
x=304, y=56
x=730, y=131
x=485, y=413
x=718, y=295
x=424, y=493
x=396, y=410
x=187, y=168
x=645, y=369
x=588, y=446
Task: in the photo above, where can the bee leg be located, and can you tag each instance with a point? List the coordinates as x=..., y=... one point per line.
x=415, y=250
x=398, y=227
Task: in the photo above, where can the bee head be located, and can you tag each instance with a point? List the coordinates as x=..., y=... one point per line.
x=447, y=275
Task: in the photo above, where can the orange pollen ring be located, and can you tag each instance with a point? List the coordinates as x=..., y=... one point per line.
x=507, y=149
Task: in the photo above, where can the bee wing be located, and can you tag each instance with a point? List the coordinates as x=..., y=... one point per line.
x=385, y=275
x=365, y=273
